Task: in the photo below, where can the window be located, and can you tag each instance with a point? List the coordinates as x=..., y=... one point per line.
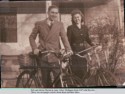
x=8, y=28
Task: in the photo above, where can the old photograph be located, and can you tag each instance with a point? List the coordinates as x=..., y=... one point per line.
x=62, y=43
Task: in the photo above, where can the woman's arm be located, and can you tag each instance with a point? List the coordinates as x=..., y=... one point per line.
x=88, y=38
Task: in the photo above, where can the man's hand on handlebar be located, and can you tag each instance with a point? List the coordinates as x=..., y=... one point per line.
x=36, y=51
x=70, y=52
x=66, y=54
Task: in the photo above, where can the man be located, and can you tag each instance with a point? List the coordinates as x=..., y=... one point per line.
x=49, y=31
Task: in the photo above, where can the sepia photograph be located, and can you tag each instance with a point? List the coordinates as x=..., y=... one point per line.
x=62, y=43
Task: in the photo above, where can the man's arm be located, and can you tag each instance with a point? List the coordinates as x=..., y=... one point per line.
x=64, y=38
x=33, y=36
x=69, y=35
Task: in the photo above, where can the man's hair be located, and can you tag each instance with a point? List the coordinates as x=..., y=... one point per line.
x=51, y=7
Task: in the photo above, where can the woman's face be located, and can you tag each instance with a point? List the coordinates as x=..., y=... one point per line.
x=77, y=18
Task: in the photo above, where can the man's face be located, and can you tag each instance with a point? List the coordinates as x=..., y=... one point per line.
x=53, y=14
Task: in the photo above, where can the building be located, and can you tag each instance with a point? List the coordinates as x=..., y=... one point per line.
x=17, y=20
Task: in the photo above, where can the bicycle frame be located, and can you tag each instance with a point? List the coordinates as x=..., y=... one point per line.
x=63, y=71
x=103, y=76
x=88, y=55
x=34, y=74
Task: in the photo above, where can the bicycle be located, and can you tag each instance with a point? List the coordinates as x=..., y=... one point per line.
x=98, y=73
x=31, y=76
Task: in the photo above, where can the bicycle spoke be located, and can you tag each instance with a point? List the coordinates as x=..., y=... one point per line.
x=26, y=80
x=32, y=83
x=100, y=81
x=105, y=80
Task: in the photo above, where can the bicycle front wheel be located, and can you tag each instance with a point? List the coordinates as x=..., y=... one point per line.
x=26, y=80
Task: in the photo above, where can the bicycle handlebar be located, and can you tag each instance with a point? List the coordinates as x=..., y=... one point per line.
x=48, y=51
x=57, y=53
x=88, y=49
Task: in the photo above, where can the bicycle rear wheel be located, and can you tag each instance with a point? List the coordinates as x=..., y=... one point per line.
x=107, y=79
x=90, y=80
x=26, y=80
x=72, y=81
x=101, y=78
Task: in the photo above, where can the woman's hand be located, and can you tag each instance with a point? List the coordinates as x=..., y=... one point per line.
x=98, y=48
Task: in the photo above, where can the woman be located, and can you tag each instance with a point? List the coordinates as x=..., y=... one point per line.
x=77, y=35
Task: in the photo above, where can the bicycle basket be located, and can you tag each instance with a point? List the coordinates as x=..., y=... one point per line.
x=25, y=60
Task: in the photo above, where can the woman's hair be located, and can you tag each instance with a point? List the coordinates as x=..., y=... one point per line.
x=77, y=11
